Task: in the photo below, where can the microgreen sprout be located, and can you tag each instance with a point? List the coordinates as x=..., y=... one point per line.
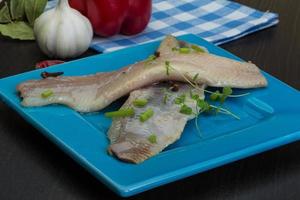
x=215, y=96
x=184, y=109
x=231, y=95
x=206, y=107
x=180, y=99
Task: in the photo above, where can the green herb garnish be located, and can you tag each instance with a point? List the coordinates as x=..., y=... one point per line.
x=197, y=48
x=167, y=64
x=123, y=112
x=195, y=77
x=180, y=99
x=224, y=111
x=215, y=96
x=140, y=102
x=230, y=95
x=221, y=97
x=227, y=91
x=165, y=99
x=184, y=109
x=195, y=96
x=203, y=105
x=47, y=93
x=150, y=59
x=174, y=49
x=146, y=115
x=184, y=50
x=166, y=95
x=152, y=139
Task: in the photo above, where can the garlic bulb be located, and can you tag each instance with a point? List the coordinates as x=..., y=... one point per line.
x=63, y=32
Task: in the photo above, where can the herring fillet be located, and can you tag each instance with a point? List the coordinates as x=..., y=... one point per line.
x=129, y=137
x=94, y=92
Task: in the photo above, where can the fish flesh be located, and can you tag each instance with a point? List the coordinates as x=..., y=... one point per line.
x=131, y=139
x=95, y=92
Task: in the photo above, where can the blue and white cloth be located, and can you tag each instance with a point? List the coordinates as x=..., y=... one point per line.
x=217, y=21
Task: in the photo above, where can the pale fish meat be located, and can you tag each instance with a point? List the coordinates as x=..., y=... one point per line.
x=94, y=92
x=135, y=141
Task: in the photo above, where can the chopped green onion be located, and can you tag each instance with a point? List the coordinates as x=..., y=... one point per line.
x=146, y=115
x=167, y=64
x=140, y=102
x=180, y=99
x=197, y=48
x=152, y=139
x=123, y=112
x=184, y=50
x=195, y=77
x=186, y=110
x=47, y=93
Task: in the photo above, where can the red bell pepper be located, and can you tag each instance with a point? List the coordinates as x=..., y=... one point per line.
x=109, y=17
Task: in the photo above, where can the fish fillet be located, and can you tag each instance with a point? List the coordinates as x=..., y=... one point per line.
x=129, y=136
x=94, y=92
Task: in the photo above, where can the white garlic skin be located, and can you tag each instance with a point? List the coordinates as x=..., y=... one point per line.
x=63, y=32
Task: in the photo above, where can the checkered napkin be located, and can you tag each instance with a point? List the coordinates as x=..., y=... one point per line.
x=217, y=21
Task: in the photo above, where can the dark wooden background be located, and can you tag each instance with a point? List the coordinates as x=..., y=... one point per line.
x=31, y=167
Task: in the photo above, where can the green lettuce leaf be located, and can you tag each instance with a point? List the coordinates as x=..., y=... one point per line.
x=33, y=9
x=17, y=30
x=4, y=14
x=17, y=9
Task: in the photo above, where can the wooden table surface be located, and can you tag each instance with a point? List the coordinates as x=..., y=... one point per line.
x=31, y=167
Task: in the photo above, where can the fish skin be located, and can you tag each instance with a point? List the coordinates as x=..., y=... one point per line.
x=105, y=88
x=129, y=136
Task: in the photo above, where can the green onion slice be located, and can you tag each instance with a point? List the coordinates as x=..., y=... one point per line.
x=197, y=48
x=140, y=102
x=47, y=93
x=146, y=115
x=123, y=112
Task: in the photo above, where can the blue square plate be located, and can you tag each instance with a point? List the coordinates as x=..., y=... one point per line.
x=270, y=117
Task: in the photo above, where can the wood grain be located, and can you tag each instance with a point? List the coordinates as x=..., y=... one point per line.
x=31, y=167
